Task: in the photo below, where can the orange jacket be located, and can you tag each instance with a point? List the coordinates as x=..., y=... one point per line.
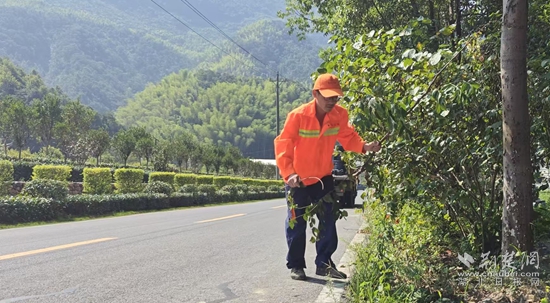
x=306, y=148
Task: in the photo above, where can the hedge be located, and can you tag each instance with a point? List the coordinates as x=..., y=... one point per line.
x=51, y=172
x=129, y=180
x=6, y=176
x=21, y=209
x=166, y=177
x=97, y=180
x=23, y=171
x=184, y=179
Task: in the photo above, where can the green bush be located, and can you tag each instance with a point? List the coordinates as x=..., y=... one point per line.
x=242, y=188
x=188, y=188
x=22, y=209
x=230, y=189
x=129, y=180
x=51, y=172
x=166, y=177
x=208, y=189
x=222, y=181
x=203, y=179
x=258, y=189
x=6, y=176
x=184, y=179
x=97, y=181
x=44, y=188
x=158, y=187
x=274, y=188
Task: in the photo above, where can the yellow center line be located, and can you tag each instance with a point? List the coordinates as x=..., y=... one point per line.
x=280, y=206
x=221, y=218
x=53, y=248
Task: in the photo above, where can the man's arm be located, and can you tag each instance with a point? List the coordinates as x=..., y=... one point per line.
x=348, y=137
x=284, y=146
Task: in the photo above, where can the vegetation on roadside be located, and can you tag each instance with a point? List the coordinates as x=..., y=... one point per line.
x=428, y=77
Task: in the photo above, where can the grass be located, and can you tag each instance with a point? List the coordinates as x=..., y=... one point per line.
x=409, y=260
x=119, y=214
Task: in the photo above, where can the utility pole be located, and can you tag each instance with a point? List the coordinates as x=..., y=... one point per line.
x=277, y=122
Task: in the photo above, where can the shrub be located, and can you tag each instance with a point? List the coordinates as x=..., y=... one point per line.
x=44, y=188
x=188, y=188
x=184, y=179
x=166, y=177
x=158, y=187
x=257, y=189
x=97, y=181
x=6, y=176
x=242, y=188
x=202, y=179
x=129, y=180
x=208, y=189
x=274, y=188
x=51, y=172
x=21, y=209
x=222, y=181
x=230, y=189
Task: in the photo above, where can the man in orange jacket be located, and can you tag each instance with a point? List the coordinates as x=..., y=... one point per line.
x=303, y=153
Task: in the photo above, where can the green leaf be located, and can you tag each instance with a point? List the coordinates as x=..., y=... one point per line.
x=408, y=62
x=545, y=62
x=446, y=31
x=435, y=59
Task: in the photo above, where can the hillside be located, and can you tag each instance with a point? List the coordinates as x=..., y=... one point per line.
x=106, y=51
x=215, y=108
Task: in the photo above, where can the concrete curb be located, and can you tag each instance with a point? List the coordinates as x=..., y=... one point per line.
x=334, y=290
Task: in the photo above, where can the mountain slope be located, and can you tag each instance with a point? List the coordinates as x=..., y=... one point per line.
x=106, y=51
x=214, y=107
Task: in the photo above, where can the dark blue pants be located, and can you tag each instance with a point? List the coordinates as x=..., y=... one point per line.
x=296, y=236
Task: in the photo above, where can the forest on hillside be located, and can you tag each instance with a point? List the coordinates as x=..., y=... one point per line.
x=43, y=124
x=104, y=52
x=215, y=108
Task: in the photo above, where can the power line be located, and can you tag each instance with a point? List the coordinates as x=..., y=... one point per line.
x=191, y=29
x=194, y=9
x=184, y=24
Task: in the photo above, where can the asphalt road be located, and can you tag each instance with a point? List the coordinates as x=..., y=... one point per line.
x=228, y=253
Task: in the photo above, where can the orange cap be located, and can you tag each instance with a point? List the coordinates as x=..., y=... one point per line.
x=328, y=85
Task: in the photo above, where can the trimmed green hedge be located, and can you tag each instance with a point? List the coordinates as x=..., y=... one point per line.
x=129, y=180
x=23, y=171
x=166, y=177
x=21, y=209
x=97, y=180
x=51, y=172
x=6, y=176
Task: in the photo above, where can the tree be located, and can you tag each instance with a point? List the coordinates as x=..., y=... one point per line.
x=518, y=177
x=98, y=142
x=145, y=147
x=48, y=113
x=19, y=124
x=124, y=143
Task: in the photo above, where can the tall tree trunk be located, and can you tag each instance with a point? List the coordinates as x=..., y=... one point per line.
x=518, y=176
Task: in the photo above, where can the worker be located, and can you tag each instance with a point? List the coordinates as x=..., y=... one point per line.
x=303, y=154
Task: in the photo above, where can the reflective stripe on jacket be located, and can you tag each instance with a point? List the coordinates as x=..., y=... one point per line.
x=306, y=148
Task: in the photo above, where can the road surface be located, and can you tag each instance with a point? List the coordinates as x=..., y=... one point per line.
x=227, y=253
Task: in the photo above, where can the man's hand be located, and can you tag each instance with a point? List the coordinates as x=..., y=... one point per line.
x=294, y=180
x=373, y=146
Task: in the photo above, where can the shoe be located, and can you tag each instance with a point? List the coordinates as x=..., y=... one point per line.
x=332, y=272
x=298, y=274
